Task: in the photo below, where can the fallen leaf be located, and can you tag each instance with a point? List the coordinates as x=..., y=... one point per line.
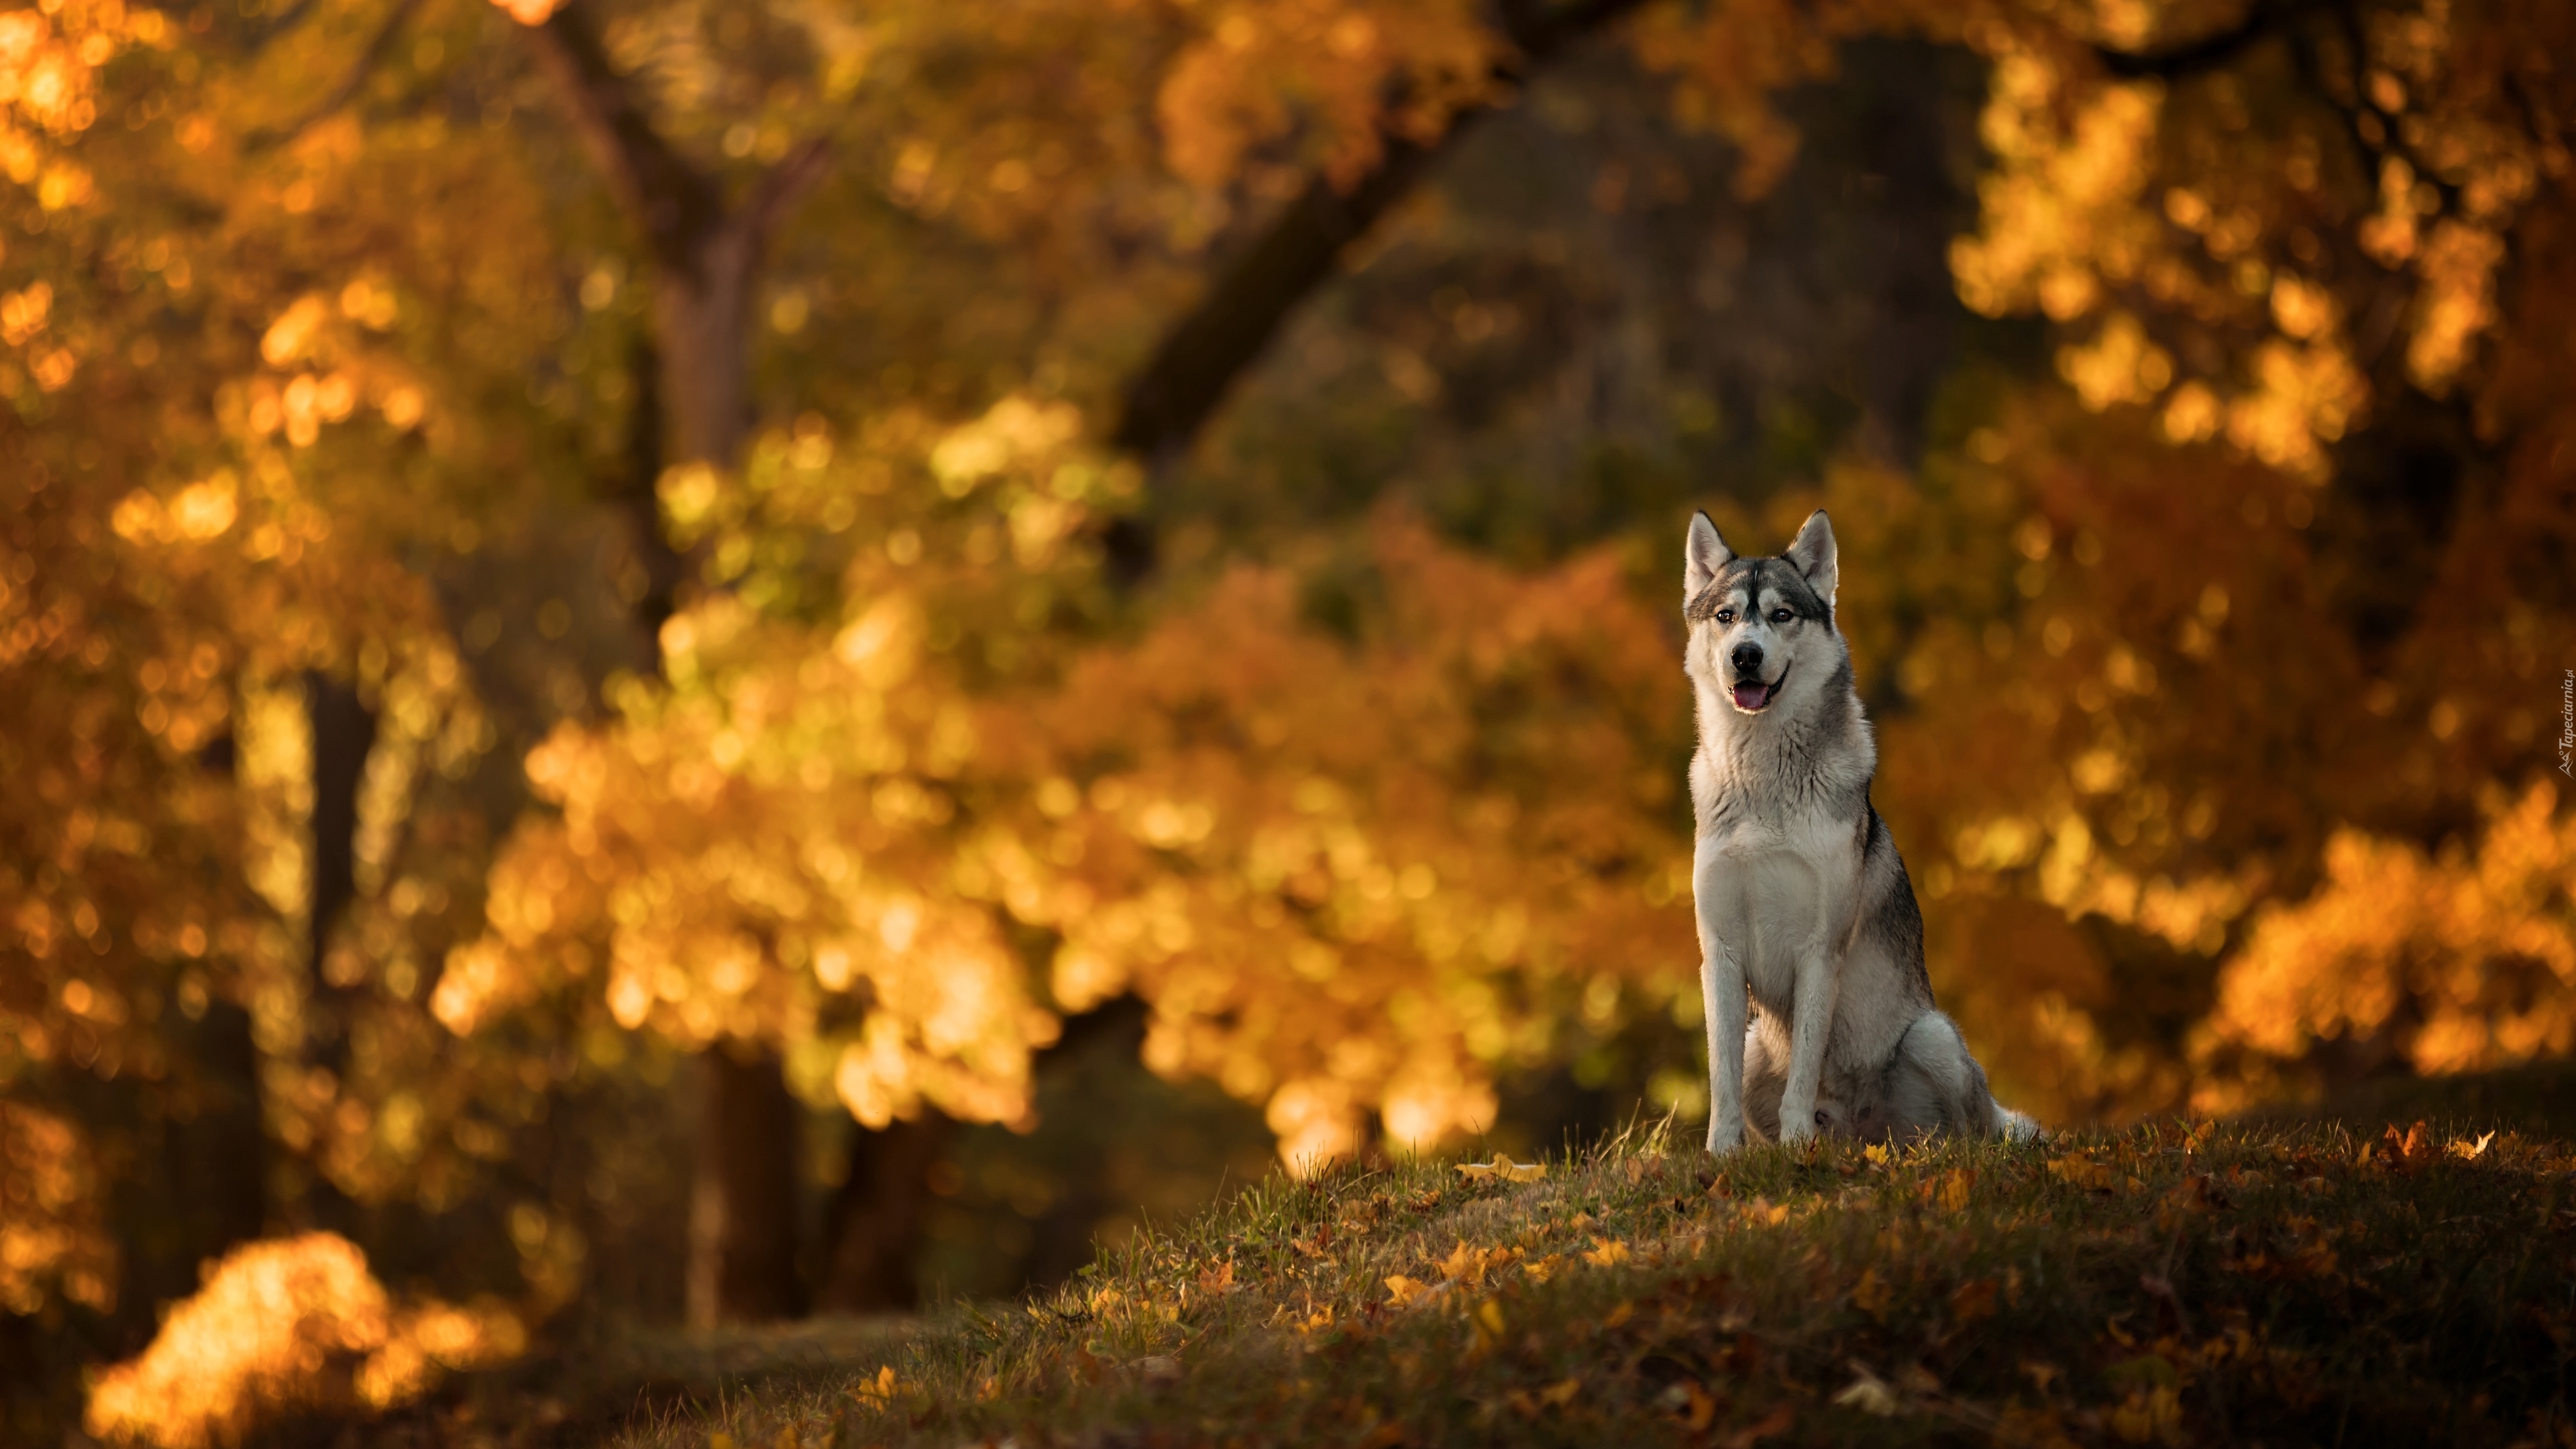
x=1502, y=1167
x=1561, y=1393
x=1607, y=1253
x=2078, y=1169
x=1870, y=1294
x=1403, y=1292
x=2148, y=1414
x=1469, y=1264
x=2041, y=1374
x=1217, y=1279
x=1870, y=1394
x=1769, y=1426
x=1975, y=1299
x=1692, y=1402
x=878, y=1392
x=2471, y=1151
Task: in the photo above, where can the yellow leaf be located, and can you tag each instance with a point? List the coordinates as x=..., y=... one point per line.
x=2078, y=1169
x=1607, y=1253
x=2471, y=1151
x=1870, y=1294
x=1870, y=1394
x=1697, y=1407
x=2148, y=1415
x=1402, y=1291
x=1503, y=1167
x=1561, y=1393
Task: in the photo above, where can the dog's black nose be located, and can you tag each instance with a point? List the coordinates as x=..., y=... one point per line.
x=1748, y=661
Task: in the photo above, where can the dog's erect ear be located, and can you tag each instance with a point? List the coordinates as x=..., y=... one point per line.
x=1703, y=553
x=1813, y=552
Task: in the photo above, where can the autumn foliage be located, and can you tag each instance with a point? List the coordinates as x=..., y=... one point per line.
x=542, y=542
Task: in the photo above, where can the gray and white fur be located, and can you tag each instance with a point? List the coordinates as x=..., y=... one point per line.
x=1931, y=1086
x=1796, y=883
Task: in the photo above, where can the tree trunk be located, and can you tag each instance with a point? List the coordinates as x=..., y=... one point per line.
x=875, y=1218
x=742, y=1208
x=1251, y=299
x=702, y=323
x=705, y=252
x=344, y=731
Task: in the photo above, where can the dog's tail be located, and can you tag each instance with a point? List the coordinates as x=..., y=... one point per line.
x=1946, y=1079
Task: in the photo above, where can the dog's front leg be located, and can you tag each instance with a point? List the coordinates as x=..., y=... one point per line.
x=1722, y=1008
x=1811, y=1019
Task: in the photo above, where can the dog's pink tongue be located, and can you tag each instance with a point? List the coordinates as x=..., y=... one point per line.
x=1752, y=694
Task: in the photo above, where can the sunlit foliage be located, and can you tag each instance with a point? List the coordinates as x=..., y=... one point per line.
x=49, y=1209
x=1356, y=878
x=2210, y=670
x=291, y=1323
x=2454, y=964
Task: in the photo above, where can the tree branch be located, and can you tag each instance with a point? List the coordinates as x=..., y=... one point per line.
x=2195, y=57
x=347, y=90
x=1201, y=356
x=670, y=201
x=785, y=184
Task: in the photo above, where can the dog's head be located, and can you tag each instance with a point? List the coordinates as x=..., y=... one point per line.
x=1760, y=625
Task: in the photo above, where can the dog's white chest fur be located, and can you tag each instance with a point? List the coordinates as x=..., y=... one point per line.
x=1766, y=890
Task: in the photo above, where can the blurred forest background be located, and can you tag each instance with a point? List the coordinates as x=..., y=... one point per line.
x=695, y=661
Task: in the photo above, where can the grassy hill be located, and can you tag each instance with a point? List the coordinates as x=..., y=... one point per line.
x=2284, y=1283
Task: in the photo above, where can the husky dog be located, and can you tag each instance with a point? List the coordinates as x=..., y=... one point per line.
x=1931, y=1086
x=1795, y=881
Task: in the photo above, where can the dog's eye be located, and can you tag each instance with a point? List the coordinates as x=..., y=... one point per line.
x=1824, y=1118
x=1780, y=616
x=1726, y=616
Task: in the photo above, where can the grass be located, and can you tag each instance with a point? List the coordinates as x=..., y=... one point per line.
x=2280, y=1282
